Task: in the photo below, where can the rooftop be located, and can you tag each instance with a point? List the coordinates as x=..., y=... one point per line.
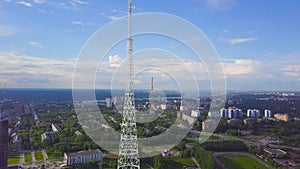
x=84, y=153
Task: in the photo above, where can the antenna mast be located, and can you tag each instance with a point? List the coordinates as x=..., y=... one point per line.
x=129, y=45
x=128, y=147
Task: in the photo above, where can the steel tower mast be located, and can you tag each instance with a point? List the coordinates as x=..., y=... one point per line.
x=128, y=147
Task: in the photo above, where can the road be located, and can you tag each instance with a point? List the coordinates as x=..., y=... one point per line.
x=196, y=162
x=22, y=159
x=220, y=165
x=255, y=142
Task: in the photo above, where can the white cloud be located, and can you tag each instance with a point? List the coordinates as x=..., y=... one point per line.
x=80, y=2
x=111, y=17
x=77, y=23
x=39, y=1
x=26, y=71
x=114, y=61
x=220, y=5
x=241, y=40
x=240, y=67
x=40, y=10
x=19, y=70
x=292, y=71
x=36, y=44
x=5, y=31
x=24, y=3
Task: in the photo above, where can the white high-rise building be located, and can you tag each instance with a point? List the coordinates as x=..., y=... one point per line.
x=224, y=113
x=268, y=113
x=234, y=113
x=253, y=113
x=108, y=102
x=231, y=113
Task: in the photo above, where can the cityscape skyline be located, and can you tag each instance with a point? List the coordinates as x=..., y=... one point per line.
x=256, y=43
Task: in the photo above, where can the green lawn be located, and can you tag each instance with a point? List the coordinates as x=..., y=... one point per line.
x=183, y=161
x=28, y=158
x=241, y=163
x=39, y=156
x=13, y=160
x=191, y=140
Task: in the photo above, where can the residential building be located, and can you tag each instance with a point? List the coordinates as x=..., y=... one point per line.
x=47, y=135
x=268, y=113
x=196, y=113
x=231, y=112
x=55, y=128
x=282, y=117
x=275, y=152
x=108, y=102
x=3, y=143
x=224, y=113
x=253, y=113
x=234, y=112
x=82, y=157
x=249, y=121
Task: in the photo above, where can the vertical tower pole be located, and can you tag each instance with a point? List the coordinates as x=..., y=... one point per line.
x=128, y=147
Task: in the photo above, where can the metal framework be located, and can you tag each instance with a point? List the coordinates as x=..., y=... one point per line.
x=128, y=147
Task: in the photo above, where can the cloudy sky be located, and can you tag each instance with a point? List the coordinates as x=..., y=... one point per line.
x=257, y=41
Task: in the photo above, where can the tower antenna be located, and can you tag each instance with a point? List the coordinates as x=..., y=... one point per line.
x=152, y=88
x=128, y=147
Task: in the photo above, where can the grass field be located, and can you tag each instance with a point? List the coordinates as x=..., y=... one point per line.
x=183, y=161
x=39, y=156
x=28, y=158
x=13, y=160
x=240, y=163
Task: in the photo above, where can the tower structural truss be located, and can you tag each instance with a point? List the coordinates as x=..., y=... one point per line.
x=128, y=147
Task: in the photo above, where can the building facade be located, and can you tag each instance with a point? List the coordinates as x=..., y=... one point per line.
x=82, y=157
x=3, y=143
x=253, y=113
x=282, y=117
x=196, y=113
x=268, y=113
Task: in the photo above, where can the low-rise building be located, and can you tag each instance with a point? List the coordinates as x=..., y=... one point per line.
x=196, y=113
x=249, y=121
x=209, y=125
x=47, y=135
x=275, y=152
x=81, y=157
x=55, y=128
x=282, y=117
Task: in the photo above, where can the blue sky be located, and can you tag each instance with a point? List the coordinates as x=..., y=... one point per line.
x=257, y=41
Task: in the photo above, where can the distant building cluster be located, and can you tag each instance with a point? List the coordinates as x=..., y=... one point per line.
x=232, y=112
